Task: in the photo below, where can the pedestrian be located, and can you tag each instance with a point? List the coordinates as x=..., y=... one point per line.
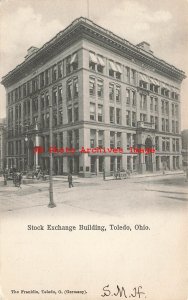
x=70, y=180
x=104, y=175
x=5, y=175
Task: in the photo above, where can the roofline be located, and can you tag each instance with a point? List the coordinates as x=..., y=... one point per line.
x=84, y=21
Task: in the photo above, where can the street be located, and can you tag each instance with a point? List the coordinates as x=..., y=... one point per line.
x=147, y=252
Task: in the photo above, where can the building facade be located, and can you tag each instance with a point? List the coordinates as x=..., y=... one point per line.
x=2, y=144
x=106, y=94
x=185, y=147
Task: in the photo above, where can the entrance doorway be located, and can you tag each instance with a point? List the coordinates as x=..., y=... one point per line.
x=148, y=157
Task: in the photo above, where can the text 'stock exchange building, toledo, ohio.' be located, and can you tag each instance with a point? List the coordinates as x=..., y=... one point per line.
x=106, y=93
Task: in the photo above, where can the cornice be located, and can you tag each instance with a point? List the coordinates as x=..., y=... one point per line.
x=84, y=28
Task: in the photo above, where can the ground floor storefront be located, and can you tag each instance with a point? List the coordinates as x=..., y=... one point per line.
x=88, y=165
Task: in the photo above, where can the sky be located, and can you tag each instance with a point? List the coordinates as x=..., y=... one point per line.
x=162, y=23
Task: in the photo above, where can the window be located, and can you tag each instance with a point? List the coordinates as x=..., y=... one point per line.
x=167, y=125
x=92, y=138
x=42, y=101
x=177, y=127
x=100, y=65
x=173, y=126
x=143, y=101
x=119, y=71
x=173, y=145
x=75, y=87
x=176, y=110
x=133, y=98
x=127, y=96
x=151, y=103
x=143, y=117
x=167, y=144
x=128, y=140
x=35, y=105
x=112, y=117
x=60, y=112
x=133, y=118
x=157, y=143
x=91, y=86
x=61, y=139
x=24, y=90
x=69, y=114
x=60, y=69
x=76, y=116
x=143, y=84
x=101, y=139
x=156, y=104
x=162, y=106
x=69, y=90
x=54, y=96
x=133, y=76
x=177, y=145
x=112, y=139
x=100, y=88
x=111, y=91
x=173, y=109
x=152, y=119
x=34, y=84
x=127, y=74
x=47, y=77
x=118, y=140
x=54, y=117
x=68, y=65
x=163, y=124
x=76, y=138
x=166, y=107
x=100, y=113
x=118, y=116
x=47, y=99
x=92, y=61
x=128, y=117
x=74, y=61
x=47, y=119
x=54, y=73
x=92, y=111
x=112, y=69
x=118, y=93
x=69, y=138
x=60, y=94
x=163, y=144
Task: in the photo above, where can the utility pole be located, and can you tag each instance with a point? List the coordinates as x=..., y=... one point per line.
x=51, y=203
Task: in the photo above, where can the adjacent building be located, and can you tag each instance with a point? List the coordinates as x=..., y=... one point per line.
x=2, y=144
x=185, y=147
x=106, y=94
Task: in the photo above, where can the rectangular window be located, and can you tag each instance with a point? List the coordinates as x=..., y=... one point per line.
x=69, y=114
x=111, y=92
x=92, y=111
x=118, y=140
x=133, y=98
x=47, y=99
x=76, y=139
x=92, y=86
x=118, y=116
x=112, y=139
x=92, y=138
x=163, y=124
x=112, y=117
x=60, y=94
x=101, y=139
x=47, y=77
x=133, y=118
x=68, y=65
x=127, y=74
x=100, y=88
x=100, y=113
x=128, y=96
x=69, y=90
x=151, y=103
x=60, y=112
x=92, y=61
x=156, y=105
x=118, y=93
x=54, y=96
x=54, y=73
x=42, y=101
x=75, y=87
x=60, y=69
x=128, y=117
x=100, y=64
x=76, y=116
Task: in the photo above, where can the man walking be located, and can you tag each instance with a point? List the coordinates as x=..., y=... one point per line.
x=70, y=180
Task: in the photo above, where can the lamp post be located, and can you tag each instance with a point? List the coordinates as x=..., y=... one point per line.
x=51, y=203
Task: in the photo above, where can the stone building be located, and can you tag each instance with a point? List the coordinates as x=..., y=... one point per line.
x=2, y=144
x=106, y=93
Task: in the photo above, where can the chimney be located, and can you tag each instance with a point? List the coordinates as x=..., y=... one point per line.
x=145, y=46
x=31, y=51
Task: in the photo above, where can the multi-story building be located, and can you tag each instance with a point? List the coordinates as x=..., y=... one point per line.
x=105, y=92
x=185, y=147
x=2, y=144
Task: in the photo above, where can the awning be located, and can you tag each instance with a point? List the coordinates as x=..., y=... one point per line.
x=119, y=68
x=112, y=66
x=93, y=58
x=144, y=78
x=101, y=61
x=73, y=58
